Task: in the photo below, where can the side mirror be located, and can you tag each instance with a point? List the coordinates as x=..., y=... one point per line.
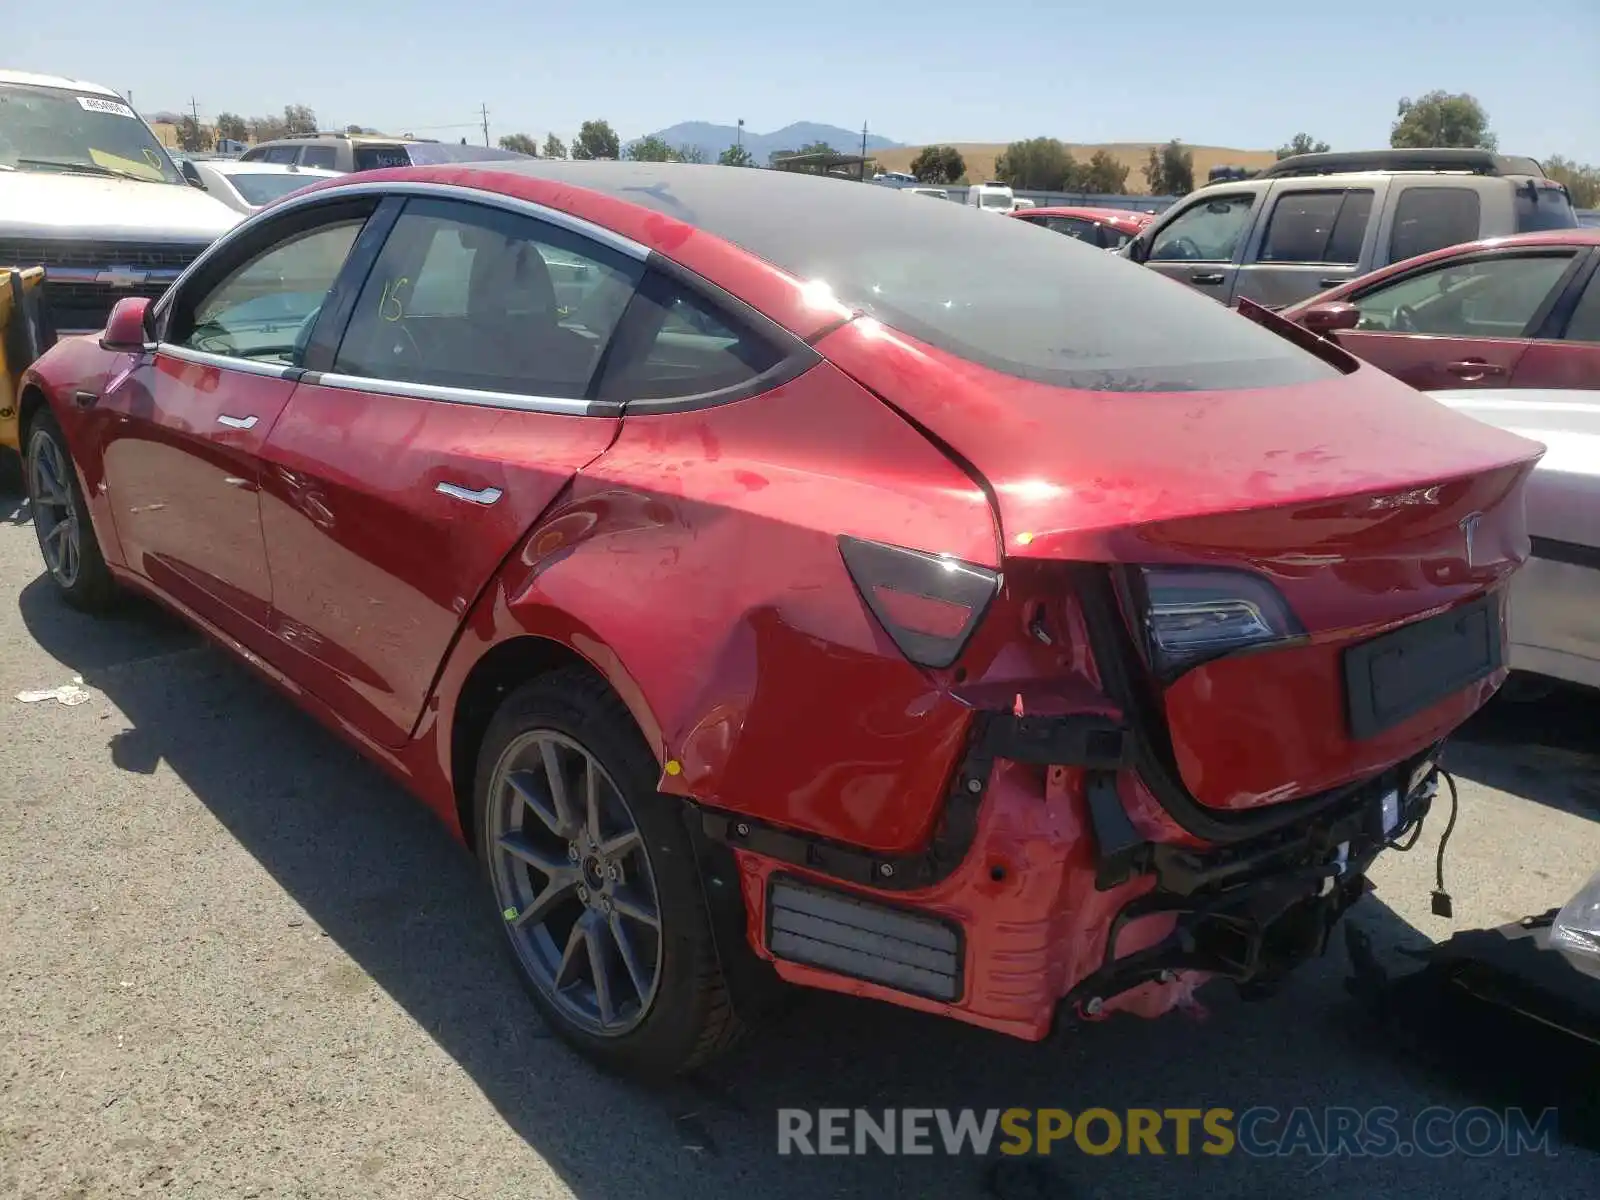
x=192, y=174
x=126, y=332
x=1331, y=317
x=1137, y=250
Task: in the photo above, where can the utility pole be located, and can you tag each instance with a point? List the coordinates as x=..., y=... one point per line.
x=863, y=152
x=485, y=110
x=739, y=136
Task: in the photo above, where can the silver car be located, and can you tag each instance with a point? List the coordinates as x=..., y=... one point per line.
x=248, y=187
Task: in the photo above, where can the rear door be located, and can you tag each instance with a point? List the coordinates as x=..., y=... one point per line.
x=1462, y=322
x=1312, y=238
x=1566, y=351
x=1203, y=245
x=451, y=413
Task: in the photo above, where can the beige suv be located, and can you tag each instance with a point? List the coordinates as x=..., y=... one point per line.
x=1314, y=221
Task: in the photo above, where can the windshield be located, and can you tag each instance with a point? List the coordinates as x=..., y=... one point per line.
x=1052, y=310
x=994, y=200
x=261, y=187
x=52, y=129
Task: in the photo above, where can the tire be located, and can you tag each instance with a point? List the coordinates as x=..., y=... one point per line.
x=67, y=540
x=684, y=1017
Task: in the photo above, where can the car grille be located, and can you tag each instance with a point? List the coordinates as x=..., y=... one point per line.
x=77, y=300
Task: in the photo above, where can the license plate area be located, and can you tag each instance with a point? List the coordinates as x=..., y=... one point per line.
x=1400, y=674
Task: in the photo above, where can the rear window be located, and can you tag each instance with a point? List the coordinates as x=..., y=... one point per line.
x=320, y=156
x=1430, y=218
x=372, y=158
x=1048, y=309
x=994, y=200
x=259, y=187
x=1543, y=206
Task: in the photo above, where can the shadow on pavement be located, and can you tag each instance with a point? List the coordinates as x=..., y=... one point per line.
x=1546, y=750
x=380, y=876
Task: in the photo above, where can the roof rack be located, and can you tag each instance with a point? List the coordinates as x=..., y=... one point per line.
x=1476, y=162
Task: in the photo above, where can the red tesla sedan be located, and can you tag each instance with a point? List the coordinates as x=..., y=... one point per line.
x=775, y=581
x=1108, y=228
x=1519, y=312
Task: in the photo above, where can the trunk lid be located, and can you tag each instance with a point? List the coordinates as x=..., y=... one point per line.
x=1349, y=495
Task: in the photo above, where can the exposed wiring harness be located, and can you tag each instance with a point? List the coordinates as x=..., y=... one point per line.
x=1442, y=906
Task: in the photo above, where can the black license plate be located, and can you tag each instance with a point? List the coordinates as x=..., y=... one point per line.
x=1398, y=675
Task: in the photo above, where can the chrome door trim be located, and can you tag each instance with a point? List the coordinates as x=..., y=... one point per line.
x=453, y=395
x=484, y=496
x=245, y=366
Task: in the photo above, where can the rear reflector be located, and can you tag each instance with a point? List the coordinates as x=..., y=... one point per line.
x=908, y=951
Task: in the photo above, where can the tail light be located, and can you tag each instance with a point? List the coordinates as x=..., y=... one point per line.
x=1191, y=614
x=928, y=603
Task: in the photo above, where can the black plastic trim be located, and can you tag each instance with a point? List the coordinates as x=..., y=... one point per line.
x=329, y=329
x=1559, y=317
x=916, y=572
x=1574, y=554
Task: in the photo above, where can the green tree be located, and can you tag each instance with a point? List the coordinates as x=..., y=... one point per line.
x=1582, y=181
x=1302, y=143
x=521, y=143
x=735, y=156
x=938, y=164
x=232, y=126
x=265, y=129
x=1103, y=175
x=648, y=149
x=554, y=147
x=193, y=136
x=689, y=154
x=1442, y=119
x=596, y=139
x=1170, y=170
x=1038, y=164
x=297, y=118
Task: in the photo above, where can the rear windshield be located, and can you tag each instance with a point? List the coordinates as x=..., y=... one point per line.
x=994, y=200
x=1049, y=309
x=260, y=187
x=1544, y=207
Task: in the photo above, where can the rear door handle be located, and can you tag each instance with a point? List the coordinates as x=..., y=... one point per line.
x=1474, y=369
x=237, y=422
x=485, y=496
x=1207, y=277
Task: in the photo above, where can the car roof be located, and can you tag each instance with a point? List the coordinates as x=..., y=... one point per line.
x=54, y=81
x=1579, y=237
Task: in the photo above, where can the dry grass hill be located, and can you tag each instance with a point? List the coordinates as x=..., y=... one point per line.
x=980, y=158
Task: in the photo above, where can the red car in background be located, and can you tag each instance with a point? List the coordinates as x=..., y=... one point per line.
x=773, y=580
x=1519, y=312
x=1107, y=228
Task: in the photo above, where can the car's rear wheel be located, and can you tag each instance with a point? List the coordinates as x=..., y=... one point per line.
x=61, y=520
x=595, y=881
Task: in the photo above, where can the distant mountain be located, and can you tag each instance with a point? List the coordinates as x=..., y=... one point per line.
x=714, y=139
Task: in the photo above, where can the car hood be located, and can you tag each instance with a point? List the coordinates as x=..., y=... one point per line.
x=35, y=204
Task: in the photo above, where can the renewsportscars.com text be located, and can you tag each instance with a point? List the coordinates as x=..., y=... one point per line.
x=1259, y=1132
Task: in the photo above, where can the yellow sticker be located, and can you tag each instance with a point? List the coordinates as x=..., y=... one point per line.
x=674, y=767
x=1024, y=538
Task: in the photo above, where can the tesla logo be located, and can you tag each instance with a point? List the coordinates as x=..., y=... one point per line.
x=121, y=277
x=1469, y=531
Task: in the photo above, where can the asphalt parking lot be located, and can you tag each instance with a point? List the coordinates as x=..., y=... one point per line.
x=236, y=961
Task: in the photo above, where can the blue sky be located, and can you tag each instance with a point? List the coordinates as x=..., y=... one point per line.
x=1242, y=73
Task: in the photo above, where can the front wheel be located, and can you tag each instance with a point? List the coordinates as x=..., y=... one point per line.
x=595, y=881
x=61, y=520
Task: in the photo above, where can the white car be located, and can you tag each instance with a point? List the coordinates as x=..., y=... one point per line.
x=936, y=193
x=1555, y=598
x=248, y=187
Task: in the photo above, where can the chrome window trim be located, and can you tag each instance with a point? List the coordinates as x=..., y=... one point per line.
x=559, y=405
x=245, y=366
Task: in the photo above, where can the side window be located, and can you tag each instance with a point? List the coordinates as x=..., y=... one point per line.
x=265, y=308
x=1207, y=232
x=467, y=296
x=679, y=344
x=319, y=156
x=254, y=154
x=1430, y=218
x=372, y=158
x=1317, y=227
x=280, y=154
x=1074, y=227
x=1491, y=297
x=1584, y=325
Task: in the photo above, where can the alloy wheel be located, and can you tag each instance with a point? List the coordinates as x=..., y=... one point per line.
x=55, y=514
x=573, y=880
